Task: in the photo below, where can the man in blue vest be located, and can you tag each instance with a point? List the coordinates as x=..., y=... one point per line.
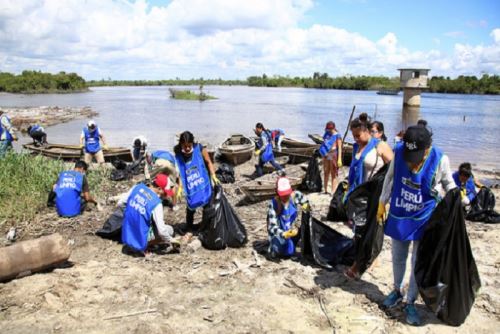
x=139, y=147
x=143, y=220
x=37, y=133
x=90, y=140
x=417, y=178
x=465, y=181
x=72, y=191
x=264, y=150
x=7, y=134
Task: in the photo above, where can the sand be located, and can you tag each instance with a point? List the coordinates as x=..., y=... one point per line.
x=229, y=291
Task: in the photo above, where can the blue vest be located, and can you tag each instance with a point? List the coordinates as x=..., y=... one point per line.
x=413, y=199
x=137, y=216
x=68, y=191
x=285, y=219
x=357, y=167
x=92, y=144
x=165, y=155
x=329, y=140
x=195, y=179
x=470, y=188
x=267, y=152
x=8, y=135
x=35, y=128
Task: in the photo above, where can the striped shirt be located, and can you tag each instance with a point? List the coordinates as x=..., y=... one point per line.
x=273, y=226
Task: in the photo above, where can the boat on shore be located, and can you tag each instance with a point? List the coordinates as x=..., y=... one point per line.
x=388, y=92
x=346, y=148
x=74, y=152
x=237, y=149
x=293, y=143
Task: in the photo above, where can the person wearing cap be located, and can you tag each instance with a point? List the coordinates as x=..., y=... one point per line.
x=277, y=136
x=7, y=134
x=143, y=219
x=415, y=181
x=264, y=150
x=465, y=181
x=71, y=191
x=140, y=145
x=160, y=161
x=331, y=151
x=37, y=133
x=197, y=174
x=369, y=154
x=281, y=215
x=90, y=140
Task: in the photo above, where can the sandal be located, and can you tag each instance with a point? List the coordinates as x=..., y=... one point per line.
x=350, y=274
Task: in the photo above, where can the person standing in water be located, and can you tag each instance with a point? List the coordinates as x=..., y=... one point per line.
x=331, y=151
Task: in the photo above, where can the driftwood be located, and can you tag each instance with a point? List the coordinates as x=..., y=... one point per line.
x=30, y=256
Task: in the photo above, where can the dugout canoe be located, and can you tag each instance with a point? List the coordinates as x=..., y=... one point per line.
x=237, y=149
x=74, y=152
x=293, y=143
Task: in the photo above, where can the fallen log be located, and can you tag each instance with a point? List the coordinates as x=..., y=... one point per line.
x=30, y=256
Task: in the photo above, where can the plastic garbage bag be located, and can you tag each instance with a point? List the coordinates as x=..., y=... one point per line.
x=483, y=208
x=221, y=227
x=445, y=270
x=312, y=181
x=112, y=228
x=325, y=246
x=225, y=173
x=337, y=210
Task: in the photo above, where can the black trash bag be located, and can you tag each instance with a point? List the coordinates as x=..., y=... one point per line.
x=221, y=227
x=325, y=246
x=112, y=228
x=119, y=164
x=120, y=175
x=445, y=270
x=362, y=208
x=337, y=210
x=483, y=208
x=312, y=181
x=225, y=173
x=51, y=200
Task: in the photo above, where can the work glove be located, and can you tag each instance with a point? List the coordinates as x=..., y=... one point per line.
x=105, y=147
x=14, y=138
x=463, y=192
x=306, y=207
x=380, y=213
x=290, y=233
x=81, y=146
x=257, y=152
x=215, y=180
x=179, y=192
x=339, y=162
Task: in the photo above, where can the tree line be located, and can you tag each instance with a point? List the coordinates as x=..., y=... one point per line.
x=38, y=82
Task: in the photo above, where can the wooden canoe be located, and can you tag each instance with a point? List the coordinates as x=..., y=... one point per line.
x=74, y=152
x=318, y=139
x=292, y=143
x=237, y=149
x=264, y=187
x=282, y=161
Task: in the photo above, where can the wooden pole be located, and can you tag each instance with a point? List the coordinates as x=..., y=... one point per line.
x=33, y=255
x=348, y=123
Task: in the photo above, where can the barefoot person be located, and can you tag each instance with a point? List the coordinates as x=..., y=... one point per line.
x=417, y=177
x=264, y=150
x=331, y=151
x=281, y=215
x=90, y=141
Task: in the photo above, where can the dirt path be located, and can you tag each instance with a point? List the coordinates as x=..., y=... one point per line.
x=230, y=291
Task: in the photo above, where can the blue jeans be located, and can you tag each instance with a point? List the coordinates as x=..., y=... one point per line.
x=399, y=256
x=259, y=167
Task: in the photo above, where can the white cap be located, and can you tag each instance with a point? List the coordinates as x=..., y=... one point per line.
x=91, y=123
x=283, y=186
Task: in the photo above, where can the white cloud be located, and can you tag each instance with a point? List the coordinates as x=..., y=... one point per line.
x=217, y=38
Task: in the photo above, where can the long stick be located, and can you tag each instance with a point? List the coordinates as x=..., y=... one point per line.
x=347, y=128
x=131, y=314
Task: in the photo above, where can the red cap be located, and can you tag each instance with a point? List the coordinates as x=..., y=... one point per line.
x=162, y=181
x=330, y=126
x=283, y=186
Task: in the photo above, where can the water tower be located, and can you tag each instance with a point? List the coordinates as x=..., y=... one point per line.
x=413, y=81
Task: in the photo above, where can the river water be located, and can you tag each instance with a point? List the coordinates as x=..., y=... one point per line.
x=466, y=127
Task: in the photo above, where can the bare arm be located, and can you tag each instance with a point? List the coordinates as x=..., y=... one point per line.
x=208, y=162
x=88, y=198
x=102, y=138
x=385, y=152
x=339, y=147
x=387, y=187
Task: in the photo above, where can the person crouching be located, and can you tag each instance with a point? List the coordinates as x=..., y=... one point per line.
x=281, y=216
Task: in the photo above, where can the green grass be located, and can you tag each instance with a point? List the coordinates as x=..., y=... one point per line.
x=189, y=95
x=27, y=180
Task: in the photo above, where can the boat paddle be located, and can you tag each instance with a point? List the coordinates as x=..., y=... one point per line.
x=345, y=133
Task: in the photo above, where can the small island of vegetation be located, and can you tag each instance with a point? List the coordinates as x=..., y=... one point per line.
x=189, y=95
x=36, y=82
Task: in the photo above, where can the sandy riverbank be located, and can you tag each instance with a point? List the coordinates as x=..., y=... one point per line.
x=205, y=292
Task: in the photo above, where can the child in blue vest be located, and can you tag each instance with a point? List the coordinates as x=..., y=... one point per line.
x=143, y=220
x=281, y=215
x=37, y=133
x=415, y=181
x=90, y=141
x=197, y=173
x=331, y=151
x=264, y=150
x=72, y=191
x=465, y=181
x=7, y=134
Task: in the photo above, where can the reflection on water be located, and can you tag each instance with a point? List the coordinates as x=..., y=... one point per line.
x=125, y=112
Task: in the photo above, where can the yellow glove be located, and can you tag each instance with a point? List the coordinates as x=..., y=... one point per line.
x=105, y=147
x=257, y=152
x=81, y=146
x=339, y=162
x=179, y=192
x=306, y=207
x=14, y=137
x=463, y=192
x=215, y=180
x=290, y=233
x=380, y=213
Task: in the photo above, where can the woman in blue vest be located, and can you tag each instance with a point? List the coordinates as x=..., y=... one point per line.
x=196, y=170
x=281, y=215
x=277, y=136
x=37, y=133
x=377, y=130
x=7, y=134
x=331, y=151
x=143, y=221
x=368, y=155
x=72, y=191
x=415, y=181
x=465, y=181
x=90, y=140
x=264, y=150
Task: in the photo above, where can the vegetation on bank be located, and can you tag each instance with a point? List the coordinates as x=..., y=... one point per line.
x=27, y=180
x=169, y=82
x=34, y=82
x=189, y=95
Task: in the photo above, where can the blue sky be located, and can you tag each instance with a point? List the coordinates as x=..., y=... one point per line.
x=159, y=39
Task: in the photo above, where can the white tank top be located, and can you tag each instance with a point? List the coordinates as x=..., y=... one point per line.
x=371, y=164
